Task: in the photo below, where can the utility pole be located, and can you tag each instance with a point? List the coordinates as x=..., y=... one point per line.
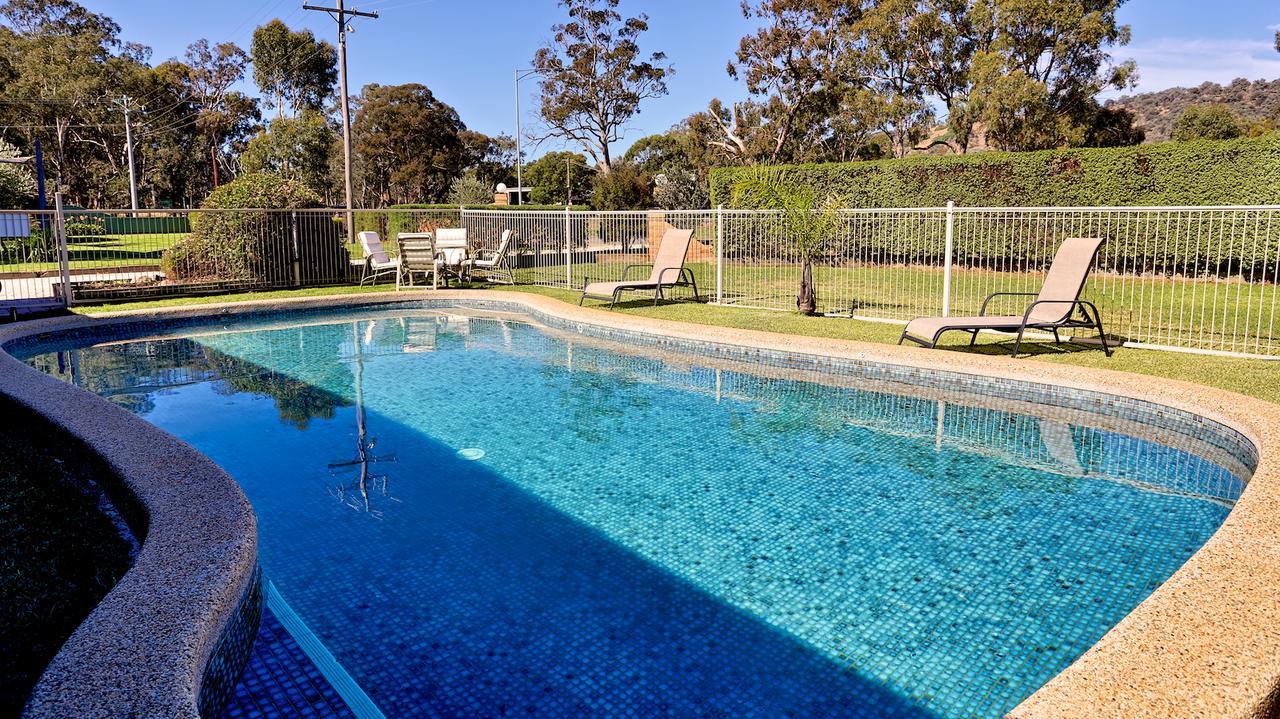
x=340, y=14
x=125, y=102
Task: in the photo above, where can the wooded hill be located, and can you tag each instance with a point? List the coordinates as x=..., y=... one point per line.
x=1157, y=111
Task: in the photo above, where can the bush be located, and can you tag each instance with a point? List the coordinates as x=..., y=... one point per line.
x=470, y=190
x=84, y=229
x=622, y=188
x=257, y=248
x=1207, y=122
x=1232, y=172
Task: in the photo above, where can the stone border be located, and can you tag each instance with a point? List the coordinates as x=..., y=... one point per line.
x=1205, y=644
x=144, y=649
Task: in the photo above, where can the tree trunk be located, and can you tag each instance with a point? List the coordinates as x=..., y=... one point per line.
x=807, y=299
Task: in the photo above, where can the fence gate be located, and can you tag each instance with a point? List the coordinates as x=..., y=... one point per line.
x=34, y=267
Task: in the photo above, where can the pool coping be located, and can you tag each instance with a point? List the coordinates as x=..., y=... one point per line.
x=145, y=648
x=1206, y=643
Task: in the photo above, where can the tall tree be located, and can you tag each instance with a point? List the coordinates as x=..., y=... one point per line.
x=493, y=159
x=409, y=143
x=794, y=62
x=1039, y=67
x=293, y=69
x=559, y=178
x=296, y=148
x=593, y=77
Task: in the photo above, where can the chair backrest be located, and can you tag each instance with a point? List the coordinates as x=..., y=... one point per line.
x=671, y=253
x=452, y=243
x=372, y=247
x=504, y=242
x=1066, y=277
x=417, y=250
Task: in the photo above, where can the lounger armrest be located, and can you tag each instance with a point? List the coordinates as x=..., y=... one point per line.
x=1026, y=316
x=982, y=312
x=662, y=275
x=627, y=269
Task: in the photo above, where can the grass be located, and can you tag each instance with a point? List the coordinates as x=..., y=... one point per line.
x=1257, y=378
x=1205, y=314
x=59, y=553
x=104, y=252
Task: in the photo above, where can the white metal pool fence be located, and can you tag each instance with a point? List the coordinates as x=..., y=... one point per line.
x=1191, y=278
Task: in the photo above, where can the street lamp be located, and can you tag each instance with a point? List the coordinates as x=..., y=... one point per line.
x=520, y=75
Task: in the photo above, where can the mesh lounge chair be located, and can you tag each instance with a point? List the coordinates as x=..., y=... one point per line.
x=1054, y=307
x=376, y=262
x=493, y=264
x=418, y=257
x=668, y=270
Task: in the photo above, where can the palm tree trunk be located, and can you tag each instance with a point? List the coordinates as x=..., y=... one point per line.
x=807, y=299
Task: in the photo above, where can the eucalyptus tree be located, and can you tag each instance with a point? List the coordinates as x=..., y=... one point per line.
x=293, y=69
x=593, y=77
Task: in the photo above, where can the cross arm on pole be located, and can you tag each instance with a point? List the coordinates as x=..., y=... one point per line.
x=341, y=11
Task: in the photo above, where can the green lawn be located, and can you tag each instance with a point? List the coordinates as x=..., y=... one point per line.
x=106, y=251
x=1203, y=314
x=1258, y=378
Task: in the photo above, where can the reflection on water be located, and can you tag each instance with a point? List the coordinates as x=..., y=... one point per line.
x=662, y=534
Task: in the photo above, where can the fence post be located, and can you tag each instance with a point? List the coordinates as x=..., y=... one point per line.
x=568, y=251
x=60, y=235
x=947, y=258
x=719, y=258
x=297, y=251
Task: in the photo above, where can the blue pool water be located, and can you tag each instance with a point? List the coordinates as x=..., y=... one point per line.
x=649, y=535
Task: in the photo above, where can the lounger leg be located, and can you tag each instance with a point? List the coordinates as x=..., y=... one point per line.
x=1056, y=339
x=973, y=337
x=1017, y=344
x=1097, y=321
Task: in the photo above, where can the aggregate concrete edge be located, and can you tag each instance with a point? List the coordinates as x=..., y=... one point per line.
x=144, y=649
x=1205, y=644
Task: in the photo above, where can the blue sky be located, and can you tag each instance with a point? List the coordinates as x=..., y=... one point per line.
x=466, y=50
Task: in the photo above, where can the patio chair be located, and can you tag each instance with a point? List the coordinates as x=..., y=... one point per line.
x=451, y=248
x=1054, y=307
x=492, y=263
x=376, y=262
x=668, y=270
x=418, y=257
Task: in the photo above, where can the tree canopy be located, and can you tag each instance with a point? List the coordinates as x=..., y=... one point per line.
x=593, y=77
x=410, y=143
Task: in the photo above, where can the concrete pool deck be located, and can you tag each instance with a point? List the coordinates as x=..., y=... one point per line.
x=1206, y=643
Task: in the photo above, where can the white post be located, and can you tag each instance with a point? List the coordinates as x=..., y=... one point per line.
x=719, y=260
x=568, y=251
x=60, y=233
x=947, y=255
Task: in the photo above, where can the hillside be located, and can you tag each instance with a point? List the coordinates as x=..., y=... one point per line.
x=1157, y=111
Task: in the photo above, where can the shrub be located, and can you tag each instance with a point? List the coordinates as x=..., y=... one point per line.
x=256, y=247
x=470, y=190
x=1207, y=122
x=84, y=229
x=622, y=188
x=1231, y=172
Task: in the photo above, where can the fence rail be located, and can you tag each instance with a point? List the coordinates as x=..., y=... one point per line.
x=1192, y=278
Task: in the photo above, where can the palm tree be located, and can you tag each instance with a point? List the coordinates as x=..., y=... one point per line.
x=808, y=219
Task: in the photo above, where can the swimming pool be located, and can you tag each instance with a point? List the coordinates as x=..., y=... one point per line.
x=653, y=533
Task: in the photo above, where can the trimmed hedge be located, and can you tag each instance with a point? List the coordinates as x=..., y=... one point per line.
x=1228, y=172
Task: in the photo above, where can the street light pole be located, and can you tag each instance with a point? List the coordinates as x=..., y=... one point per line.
x=520, y=75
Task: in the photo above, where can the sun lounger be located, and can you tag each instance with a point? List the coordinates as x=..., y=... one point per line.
x=1055, y=306
x=668, y=270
